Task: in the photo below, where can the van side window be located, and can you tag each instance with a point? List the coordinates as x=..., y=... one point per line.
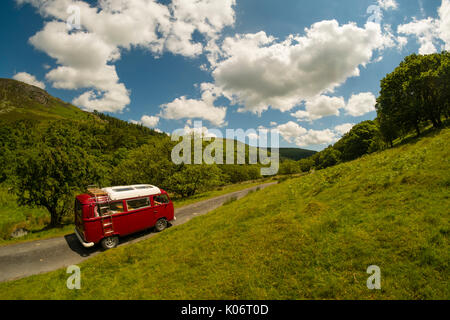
x=138, y=203
x=111, y=208
x=160, y=199
x=116, y=207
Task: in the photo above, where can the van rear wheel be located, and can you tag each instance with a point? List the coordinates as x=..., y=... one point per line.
x=110, y=242
x=161, y=224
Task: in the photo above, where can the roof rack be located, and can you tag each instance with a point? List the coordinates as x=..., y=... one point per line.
x=98, y=195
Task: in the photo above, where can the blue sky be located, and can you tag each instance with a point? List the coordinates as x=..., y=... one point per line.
x=155, y=67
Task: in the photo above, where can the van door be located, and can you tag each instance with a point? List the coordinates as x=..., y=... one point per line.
x=161, y=205
x=138, y=216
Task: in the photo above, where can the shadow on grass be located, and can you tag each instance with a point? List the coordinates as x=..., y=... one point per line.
x=429, y=132
x=75, y=245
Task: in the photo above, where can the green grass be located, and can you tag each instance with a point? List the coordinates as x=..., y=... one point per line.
x=35, y=220
x=13, y=217
x=311, y=237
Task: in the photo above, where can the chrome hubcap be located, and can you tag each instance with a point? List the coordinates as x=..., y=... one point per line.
x=109, y=242
x=161, y=224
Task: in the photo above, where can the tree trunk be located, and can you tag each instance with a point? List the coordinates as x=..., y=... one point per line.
x=55, y=217
x=417, y=129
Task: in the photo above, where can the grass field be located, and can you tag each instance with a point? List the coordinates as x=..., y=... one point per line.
x=311, y=237
x=13, y=217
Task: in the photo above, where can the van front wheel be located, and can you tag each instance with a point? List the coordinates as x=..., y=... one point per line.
x=161, y=224
x=110, y=242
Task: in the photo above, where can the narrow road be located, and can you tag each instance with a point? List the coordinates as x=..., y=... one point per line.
x=29, y=258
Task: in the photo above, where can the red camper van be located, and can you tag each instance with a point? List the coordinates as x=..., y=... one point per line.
x=103, y=215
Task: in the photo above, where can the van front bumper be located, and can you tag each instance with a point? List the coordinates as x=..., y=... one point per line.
x=84, y=243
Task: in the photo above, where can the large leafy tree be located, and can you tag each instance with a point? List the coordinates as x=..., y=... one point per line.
x=150, y=164
x=50, y=177
x=51, y=172
x=415, y=92
x=194, y=178
x=364, y=138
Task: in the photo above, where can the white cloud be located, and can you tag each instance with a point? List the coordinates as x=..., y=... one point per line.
x=360, y=104
x=197, y=131
x=150, y=121
x=29, y=78
x=319, y=107
x=430, y=32
x=294, y=133
x=444, y=26
x=344, y=128
x=426, y=32
x=85, y=58
x=207, y=17
x=291, y=130
x=388, y=4
x=183, y=108
x=323, y=106
x=257, y=71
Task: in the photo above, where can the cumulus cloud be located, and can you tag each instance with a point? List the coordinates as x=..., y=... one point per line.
x=28, y=78
x=388, y=4
x=196, y=131
x=207, y=17
x=426, y=31
x=85, y=58
x=319, y=107
x=294, y=133
x=430, y=32
x=148, y=121
x=360, y=104
x=257, y=71
x=323, y=106
x=344, y=128
x=204, y=108
x=444, y=25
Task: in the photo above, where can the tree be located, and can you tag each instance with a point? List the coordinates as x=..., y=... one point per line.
x=306, y=164
x=417, y=91
x=194, y=178
x=364, y=138
x=289, y=167
x=151, y=163
x=50, y=177
x=329, y=157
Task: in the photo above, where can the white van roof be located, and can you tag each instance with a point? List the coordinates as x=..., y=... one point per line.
x=125, y=192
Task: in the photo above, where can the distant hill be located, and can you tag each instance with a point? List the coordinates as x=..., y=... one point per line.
x=295, y=153
x=19, y=100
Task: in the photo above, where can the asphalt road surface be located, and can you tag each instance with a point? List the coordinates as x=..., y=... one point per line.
x=29, y=258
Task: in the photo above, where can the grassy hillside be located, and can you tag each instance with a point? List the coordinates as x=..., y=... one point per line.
x=309, y=237
x=19, y=100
